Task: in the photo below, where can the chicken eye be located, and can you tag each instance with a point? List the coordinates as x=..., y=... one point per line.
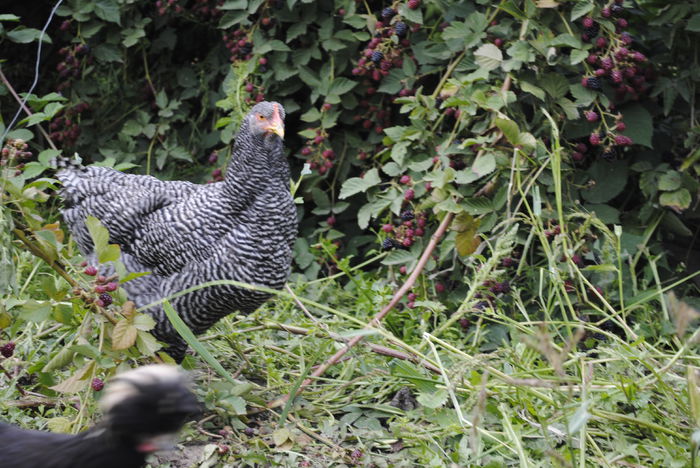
x=261, y=117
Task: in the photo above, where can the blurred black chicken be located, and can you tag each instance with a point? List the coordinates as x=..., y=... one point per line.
x=241, y=229
x=143, y=410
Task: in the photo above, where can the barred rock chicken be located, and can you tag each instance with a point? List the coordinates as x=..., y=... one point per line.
x=242, y=228
x=143, y=410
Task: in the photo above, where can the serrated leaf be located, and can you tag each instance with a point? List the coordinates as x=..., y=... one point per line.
x=484, y=164
x=144, y=322
x=640, y=125
x=679, y=200
x=356, y=184
x=147, y=343
x=107, y=10
x=433, y=400
x=693, y=23
x=109, y=253
x=532, y=89
x=509, y=128
x=35, y=311
x=399, y=257
x=488, y=56
x=415, y=16
x=281, y=435
x=78, y=381
x=554, y=84
x=609, y=180
x=580, y=9
x=98, y=233
x=59, y=425
x=669, y=181
x=124, y=335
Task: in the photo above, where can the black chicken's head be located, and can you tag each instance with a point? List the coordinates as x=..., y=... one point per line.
x=266, y=121
x=145, y=407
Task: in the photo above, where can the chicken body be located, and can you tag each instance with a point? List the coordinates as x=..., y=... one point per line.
x=185, y=234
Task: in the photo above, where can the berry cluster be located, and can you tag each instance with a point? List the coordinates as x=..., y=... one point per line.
x=69, y=67
x=238, y=45
x=64, y=127
x=382, y=52
x=256, y=93
x=164, y=7
x=13, y=152
x=8, y=349
x=625, y=69
x=373, y=117
x=403, y=235
x=318, y=152
x=102, y=286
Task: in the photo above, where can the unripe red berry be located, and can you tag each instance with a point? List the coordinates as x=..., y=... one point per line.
x=405, y=179
x=97, y=384
x=594, y=139
x=112, y=286
x=331, y=220
x=409, y=194
x=387, y=228
x=402, y=269
x=439, y=288
x=591, y=116
x=411, y=296
x=90, y=271
x=620, y=127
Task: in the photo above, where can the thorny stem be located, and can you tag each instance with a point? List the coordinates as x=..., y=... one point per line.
x=435, y=238
x=25, y=108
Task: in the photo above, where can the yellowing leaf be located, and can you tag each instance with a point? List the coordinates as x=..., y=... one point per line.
x=78, y=381
x=124, y=335
x=60, y=425
x=280, y=436
x=467, y=239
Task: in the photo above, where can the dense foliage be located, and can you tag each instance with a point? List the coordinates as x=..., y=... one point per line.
x=557, y=141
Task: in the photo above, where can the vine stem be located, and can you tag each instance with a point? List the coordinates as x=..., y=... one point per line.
x=5, y=81
x=434, y=239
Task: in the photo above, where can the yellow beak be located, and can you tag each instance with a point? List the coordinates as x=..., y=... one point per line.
x=276, y=127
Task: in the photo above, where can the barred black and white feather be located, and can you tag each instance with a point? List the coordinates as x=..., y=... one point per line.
x=143, y=410
x=241, y=229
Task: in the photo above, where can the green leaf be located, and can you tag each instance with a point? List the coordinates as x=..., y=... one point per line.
x=608, y=181
x=669, y=181
x=400, y=257
x=355, y=185
x=580, y=9
x=640, y=125
x=35, y=311
x=488, y=56
x=693, y=23
x=98, y=233
x=532, y=89
x=484, y=164
x=415, y=16
x=433, y=400
x=341, y=85
x=392, y=84
x=107, y=10
x=555, y=84
x=22, y=35
x=510, y=129
x=477, y=206
x=678, y=200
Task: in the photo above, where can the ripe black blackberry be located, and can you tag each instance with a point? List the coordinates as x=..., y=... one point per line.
x=388, y=13
x=616, y=9
x=8, y=349
x=106, y=299
x=592, y=31
x=401, y=29
x=407, y=215
x=377, y=56
x=593, y=83
x=388, y=244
